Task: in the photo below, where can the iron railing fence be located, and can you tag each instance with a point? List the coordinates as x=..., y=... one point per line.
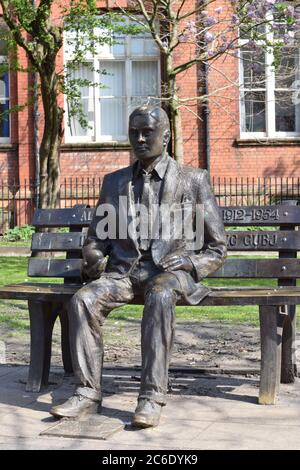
x=18, y=202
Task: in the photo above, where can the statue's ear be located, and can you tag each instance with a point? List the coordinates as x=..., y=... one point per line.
x=166, y=137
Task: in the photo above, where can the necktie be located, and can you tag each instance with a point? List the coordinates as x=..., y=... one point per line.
x=145, y=218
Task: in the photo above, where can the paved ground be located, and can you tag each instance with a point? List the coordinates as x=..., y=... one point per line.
x=203, y=412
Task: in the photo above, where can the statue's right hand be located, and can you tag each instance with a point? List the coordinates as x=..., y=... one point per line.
x=92, y=271
x=93, y=263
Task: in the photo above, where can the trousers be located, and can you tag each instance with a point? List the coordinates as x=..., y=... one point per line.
x=90, y=306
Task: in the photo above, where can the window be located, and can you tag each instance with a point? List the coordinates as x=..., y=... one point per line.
x=269, y=106
x=129, y=75
x=4, y=97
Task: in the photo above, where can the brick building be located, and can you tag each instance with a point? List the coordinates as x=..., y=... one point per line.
x=241, y=138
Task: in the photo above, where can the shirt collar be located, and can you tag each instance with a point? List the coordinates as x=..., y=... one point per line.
x=160, y=168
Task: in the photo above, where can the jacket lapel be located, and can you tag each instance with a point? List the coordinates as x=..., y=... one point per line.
x=126, y=189
x=171, y=183
x=171, y=190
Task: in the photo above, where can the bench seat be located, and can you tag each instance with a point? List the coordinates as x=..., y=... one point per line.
x=220, y=296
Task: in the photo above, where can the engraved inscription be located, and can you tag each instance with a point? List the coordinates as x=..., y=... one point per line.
x=87, y=215
x=242, y=215
x=252, y=240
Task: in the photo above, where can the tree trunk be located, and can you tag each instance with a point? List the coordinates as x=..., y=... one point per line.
x=175, y=118
x=50, y=145
x=176, y=129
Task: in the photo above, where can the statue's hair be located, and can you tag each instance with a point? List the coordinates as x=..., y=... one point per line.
x=154, y=111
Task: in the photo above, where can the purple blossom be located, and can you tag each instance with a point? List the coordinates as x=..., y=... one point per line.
x=191, y=27
x=208, y=37
x=290, y=10
x=210, y=21
x=219, y=10
x=235, y=19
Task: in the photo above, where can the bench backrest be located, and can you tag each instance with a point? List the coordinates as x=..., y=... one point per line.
x=275, y=229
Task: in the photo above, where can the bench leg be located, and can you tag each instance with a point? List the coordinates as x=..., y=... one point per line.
x=65, y=342
x=271, y=334
x=288, y=359
x=42, y=318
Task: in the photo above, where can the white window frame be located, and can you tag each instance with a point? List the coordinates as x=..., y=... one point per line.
x=106, y=55
x=270, y=102
x=6, y=140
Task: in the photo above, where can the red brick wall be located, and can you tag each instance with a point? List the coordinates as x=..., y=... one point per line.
x=8, y=165
x=92, y=163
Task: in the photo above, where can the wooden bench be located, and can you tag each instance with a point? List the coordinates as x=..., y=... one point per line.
x=276, y=304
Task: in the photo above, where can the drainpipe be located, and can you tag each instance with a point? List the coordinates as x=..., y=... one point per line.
x=36, y=123
x=206, y=119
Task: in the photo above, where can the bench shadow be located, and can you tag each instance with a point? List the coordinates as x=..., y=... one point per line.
x=118, y=382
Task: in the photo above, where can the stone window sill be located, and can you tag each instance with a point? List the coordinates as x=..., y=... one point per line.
x=267, y=142
x=67, y=147
x=7, y=147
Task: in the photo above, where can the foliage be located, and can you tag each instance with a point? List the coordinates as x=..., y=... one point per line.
x=22, y=233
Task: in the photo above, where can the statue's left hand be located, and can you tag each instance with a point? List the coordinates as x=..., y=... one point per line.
x=175, y=262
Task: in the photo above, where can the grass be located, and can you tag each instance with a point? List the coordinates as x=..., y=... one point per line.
x=15, y=244
x=14, y=315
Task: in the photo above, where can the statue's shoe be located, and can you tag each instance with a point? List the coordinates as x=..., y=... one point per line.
x=76, y=406
x=147, y=414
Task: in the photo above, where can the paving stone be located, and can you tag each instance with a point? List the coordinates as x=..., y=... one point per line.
x=94, y=427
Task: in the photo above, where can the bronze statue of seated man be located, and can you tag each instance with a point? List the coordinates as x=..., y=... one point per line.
x=120, y=263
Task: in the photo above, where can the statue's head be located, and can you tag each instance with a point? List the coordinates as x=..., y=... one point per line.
x=149, y=132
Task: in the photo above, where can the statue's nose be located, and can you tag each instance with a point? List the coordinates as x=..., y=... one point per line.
x=141, y=138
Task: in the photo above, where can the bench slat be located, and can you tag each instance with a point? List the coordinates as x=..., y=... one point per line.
x=68, y=268
x=57, y=241
x=238, y=216
x=218, y=296
x=259, y=268
x=236, y=241
x=261, y=215
x=78, y=216
x=233, y=268
x=262, y=240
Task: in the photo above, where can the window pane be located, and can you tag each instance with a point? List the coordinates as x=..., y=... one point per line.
x=112, y=79
x=142, y=100
x=4, y=119
x=253, y=112
x=75, y=128
x=4, y=105
x=83, y=72
x=144, y=79
x=118, y=48
x=288, y=68
x=143, y=45
x=4, y=86
x=285, y=112
x=113, y=117
x=253, y=69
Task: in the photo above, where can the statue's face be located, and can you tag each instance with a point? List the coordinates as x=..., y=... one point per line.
x=147, y=137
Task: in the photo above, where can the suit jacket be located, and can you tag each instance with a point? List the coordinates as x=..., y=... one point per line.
x=181, y=185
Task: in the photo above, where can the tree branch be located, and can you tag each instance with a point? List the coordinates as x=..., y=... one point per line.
x=15, y=30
